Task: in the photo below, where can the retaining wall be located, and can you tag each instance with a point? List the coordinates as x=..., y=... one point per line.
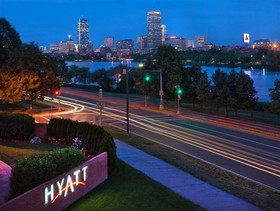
x=64, y=190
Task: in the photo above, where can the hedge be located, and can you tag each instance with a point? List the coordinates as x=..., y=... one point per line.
x=16, y=126
x=37, y=169
x=95, y=139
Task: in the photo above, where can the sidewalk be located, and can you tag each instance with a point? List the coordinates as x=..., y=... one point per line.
x=181, y=182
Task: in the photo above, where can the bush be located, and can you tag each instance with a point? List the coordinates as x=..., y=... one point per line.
x=16, y=126
x=37, y=169
x=95, y=139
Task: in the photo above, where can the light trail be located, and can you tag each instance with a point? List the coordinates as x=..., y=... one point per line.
x=247, y=155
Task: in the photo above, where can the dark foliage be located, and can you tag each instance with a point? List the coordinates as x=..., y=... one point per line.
x=37, y=169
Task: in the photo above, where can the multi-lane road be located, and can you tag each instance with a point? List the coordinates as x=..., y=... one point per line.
x=247, y=149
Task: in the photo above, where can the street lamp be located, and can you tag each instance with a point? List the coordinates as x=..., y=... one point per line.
x=160, y=91
x=126, y=71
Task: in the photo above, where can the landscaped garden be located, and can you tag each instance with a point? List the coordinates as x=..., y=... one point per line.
x=126, y=187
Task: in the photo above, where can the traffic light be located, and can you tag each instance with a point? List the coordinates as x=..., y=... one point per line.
x=179, y=91
x=147, y=78
x=118, y=77
x=56, y=92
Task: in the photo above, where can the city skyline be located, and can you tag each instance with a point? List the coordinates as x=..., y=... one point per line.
x=47, y=22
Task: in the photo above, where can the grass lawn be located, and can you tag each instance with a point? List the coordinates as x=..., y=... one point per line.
x=127, y=189
x=10, y=152
x=130, y=189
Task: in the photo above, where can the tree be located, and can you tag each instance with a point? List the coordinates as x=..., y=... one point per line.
x=245, y=91
x=29, y=60
x=171, y=64
x=9, y=40
x=232, y=85
x=146, y=82
x=190, y=79
x=221, y=90
x=103, y=79
x=30, y=84
x=79, y=74
x=203, y=88
x=275, y=97
x=10, y=88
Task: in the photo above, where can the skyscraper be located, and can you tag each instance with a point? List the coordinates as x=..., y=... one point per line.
x=83, y=39
x=154, y=36
x=142, y=44
x=109, y=42
x=164, y=34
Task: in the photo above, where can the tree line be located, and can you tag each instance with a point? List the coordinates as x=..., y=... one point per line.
x=237, y=57
x=228, y=57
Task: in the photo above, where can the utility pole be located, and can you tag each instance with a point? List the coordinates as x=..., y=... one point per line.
x=125, y=71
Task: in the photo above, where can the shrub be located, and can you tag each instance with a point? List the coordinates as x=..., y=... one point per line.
x=37, y=169
x=95, y=139
x=16, y=126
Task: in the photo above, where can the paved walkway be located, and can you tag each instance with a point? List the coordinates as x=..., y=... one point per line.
x=181, y=182
x=177, y=180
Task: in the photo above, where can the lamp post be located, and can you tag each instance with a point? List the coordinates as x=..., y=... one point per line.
x=178, y=106
x=127, y=102
x=160, y=91
x=126, y=71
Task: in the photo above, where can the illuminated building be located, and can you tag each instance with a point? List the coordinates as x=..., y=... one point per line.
x=90, y=47
x=164, y=33
x=176, y=42
x=124, y=48
x=83, y=38
x=141, y=43
x=154, y=28
x=190, y=44
x=109, y=42
x=200, y=41
x=54, y=48
x=262, y=43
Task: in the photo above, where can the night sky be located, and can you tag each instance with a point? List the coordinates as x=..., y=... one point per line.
x=223, y=21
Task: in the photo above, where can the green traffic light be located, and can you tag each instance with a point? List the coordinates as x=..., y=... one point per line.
x=147, y=78
x=119, y=80
x=179, y=91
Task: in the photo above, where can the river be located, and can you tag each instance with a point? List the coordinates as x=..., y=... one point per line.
x=263, y=79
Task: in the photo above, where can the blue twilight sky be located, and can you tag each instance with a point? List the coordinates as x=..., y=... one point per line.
x=223, y=21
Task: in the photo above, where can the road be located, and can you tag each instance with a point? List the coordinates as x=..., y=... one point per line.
x=247, y=149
